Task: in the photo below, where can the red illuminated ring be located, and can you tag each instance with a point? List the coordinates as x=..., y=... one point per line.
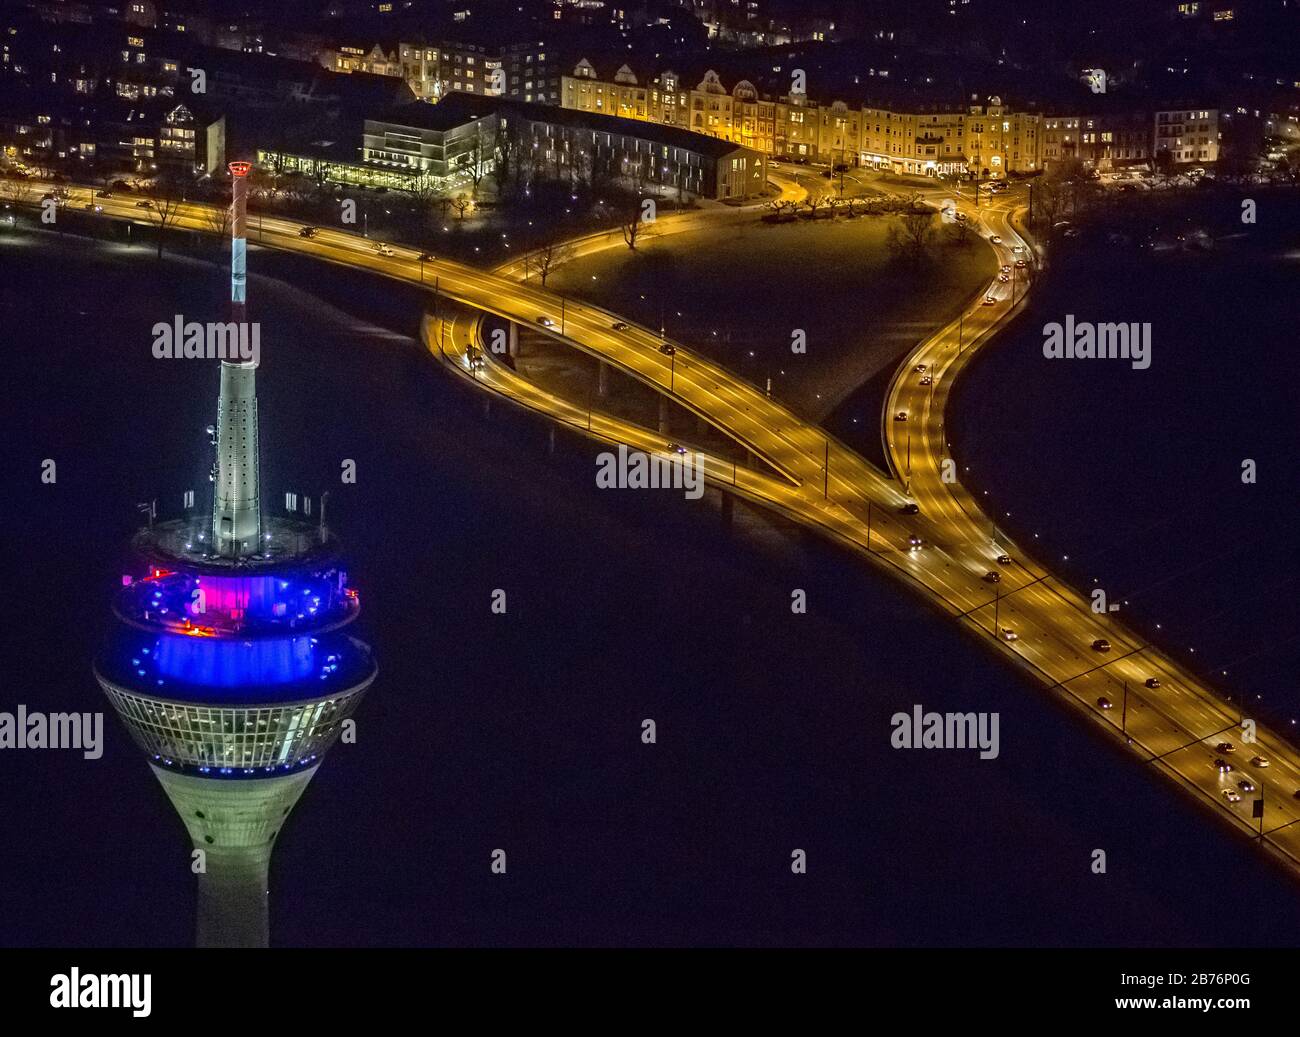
x=240, y=168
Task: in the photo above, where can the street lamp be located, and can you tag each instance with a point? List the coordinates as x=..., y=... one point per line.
x=671, y=353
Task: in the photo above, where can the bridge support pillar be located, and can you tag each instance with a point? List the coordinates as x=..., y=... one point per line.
x=602, y=379
x=550, y=441
x=513, y=338
x=663, y=413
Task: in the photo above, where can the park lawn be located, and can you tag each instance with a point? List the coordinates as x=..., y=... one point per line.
x=740, y=292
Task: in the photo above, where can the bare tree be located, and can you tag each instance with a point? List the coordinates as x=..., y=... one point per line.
x=481, y=152
x=960, y=233
x=165, y=196
x=814, y=200
x=16, y=191
x=216, y=220
x=461, y=204
x=636, y=224
x=546, y=258
x=425, y=196
x=909, y=237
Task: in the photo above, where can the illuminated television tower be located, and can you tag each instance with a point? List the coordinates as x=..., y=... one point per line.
x=229, y=660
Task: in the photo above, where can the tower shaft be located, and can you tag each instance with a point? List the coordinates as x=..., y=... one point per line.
x=236, y=498
x=235, y=824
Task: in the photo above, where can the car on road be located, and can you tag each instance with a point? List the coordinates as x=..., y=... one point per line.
x=1222, y=765
x=546, y=322
x=901, y=416
x=92, y=207
x=915, y=543
x=1009, y=635
x=910, y=508
x=996, y=239
x=926, y=380
x=1072, y=232
x=667, y=349
x=1259, y=761
x=1246, y=785
x=1105, y=703
x=428, y=257
x=1004, y=278
x=992, y=576
x=1004, y=559
x=106, y=194
x=142, y=205
x=1232, y=795
x=307, y=232
x=989, y=300
x=1152, y=682
x=383, y=250
x=676, y=448
x=1017, y=249
x=1225, y=747
x=1101, y=645
x=919, y=368
x=1021, y=264
x=477, y=362
x=1005, y=268
x=619, y=325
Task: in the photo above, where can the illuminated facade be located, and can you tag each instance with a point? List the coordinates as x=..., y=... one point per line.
x=229, y=661
x=1116, y=140
x=982, y=139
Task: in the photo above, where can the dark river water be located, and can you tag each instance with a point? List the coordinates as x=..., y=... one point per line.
x=522, y=732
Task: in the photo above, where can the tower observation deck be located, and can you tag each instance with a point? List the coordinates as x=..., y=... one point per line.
x=230, y=663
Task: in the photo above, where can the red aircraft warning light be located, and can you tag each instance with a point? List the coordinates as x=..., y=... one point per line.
x=240, y=168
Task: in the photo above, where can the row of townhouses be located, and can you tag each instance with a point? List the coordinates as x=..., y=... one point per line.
x=986, y=137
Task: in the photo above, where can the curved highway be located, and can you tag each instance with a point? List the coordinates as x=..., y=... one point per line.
x=949, y=549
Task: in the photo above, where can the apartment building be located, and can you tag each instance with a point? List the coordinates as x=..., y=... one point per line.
x=1104, y=142
x=1118, y=139
x=416, y=63
x=987, y=139
x=1186, y=136
x=525, y=69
